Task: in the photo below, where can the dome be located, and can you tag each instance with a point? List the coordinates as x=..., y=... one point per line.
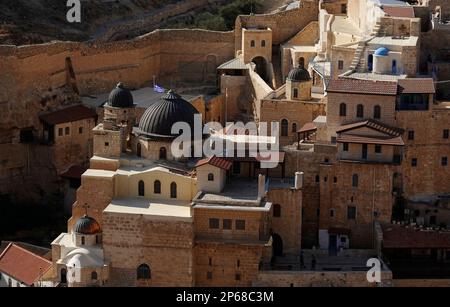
x=382, y=51
x=120, y=97
x=82, y=258
x=87, y=226
x=298, y=75
x=159, y=118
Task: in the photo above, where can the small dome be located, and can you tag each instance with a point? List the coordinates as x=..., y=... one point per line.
x=86, y=226
x=120, y=97
x=382, y=51
x=159, y=118
x=298, y=74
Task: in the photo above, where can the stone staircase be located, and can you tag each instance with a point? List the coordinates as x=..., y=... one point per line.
x=277, y=75
x=358, y=62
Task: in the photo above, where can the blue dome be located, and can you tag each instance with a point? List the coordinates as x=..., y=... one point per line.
x=382, y=51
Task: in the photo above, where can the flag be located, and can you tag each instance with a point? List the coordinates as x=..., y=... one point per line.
x=158, y=89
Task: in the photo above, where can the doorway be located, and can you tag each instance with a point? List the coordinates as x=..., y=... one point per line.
x=63, y=276
x=277, y=245
x=332, y=245
x=364, y=151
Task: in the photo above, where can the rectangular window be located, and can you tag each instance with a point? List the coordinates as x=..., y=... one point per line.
x=80, y=130
x=240, y=224
x=237, y=277
x=351, y=212
x=414, y=162
x=340, y=65
x=410, y=135
x=332, y=213
x=214, y=223
x=209, y=275
x=60, y=131
x=237, y=167
x=378, y=149
x=227, y=224
x=67, y=130
x=345, y=147
x=106, y=144
x=444, y=161
x=445, y=134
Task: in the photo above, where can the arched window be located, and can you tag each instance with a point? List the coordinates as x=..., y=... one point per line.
x=97, y=240
x=301, y=62
x=355, y=180
x=294, y=128
x=141, y=188
x=276, y=210
x=360, y=111
x=94, y=275
x=139, y=149
x=342, y=109
x=83, y=240
x=162, y=153
x=284, y=127
x=157, y=187
x=377, y=112
x=295, y=93
x=263, y=43
x=252, y=43
x=210, y=177
x=173, y=190
x=143, y=272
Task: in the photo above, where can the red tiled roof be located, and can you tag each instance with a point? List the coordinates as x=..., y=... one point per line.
x=371, y=87
x=373, y=124
x=396, y=236
x=348, y=138
x=308, y=127
x=74, y=172
x=23, y=265
x=399, y=11
x=392, y=134
x=70, y=114
x=217, y=162
x=416, y=86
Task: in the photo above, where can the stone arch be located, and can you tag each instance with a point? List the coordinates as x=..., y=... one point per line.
x=261, y=67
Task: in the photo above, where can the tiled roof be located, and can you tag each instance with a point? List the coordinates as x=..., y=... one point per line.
x=392, y=134
x=308, y=127
x=216, y=161
x=348, y=138
x=67, y=115
x=416, y=86
x=371, y=87
x=396, y=236
x=405, y=12
x=23, y=265
x=234, y=64
x=373, y=124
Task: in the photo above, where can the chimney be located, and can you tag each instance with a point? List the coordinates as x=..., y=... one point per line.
x=261, y=186
x=299, y=177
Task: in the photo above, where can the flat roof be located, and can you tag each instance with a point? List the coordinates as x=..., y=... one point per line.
x=409, y=41
x=98, y=173
x=158, y=208
x=342, y=24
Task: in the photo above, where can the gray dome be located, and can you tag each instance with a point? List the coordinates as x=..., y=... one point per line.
x=298, y=75
x=87, y=226
x=120, y=97
x=159, y=118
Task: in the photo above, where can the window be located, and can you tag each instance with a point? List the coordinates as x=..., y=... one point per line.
x=83, y=240
x=301, y=62
x=238, y=264
x=9, y=282
x=342, y=109
x=263, y=43
x=355, y=179
x=377, y=112
x=332, y=212
x=411, y=135
x=344, y=8
x=295, y=93
x=157, y=187
x=227, y=224
x=210, y=177
x=335, y=179
x=173, y=190
x=236, y=167
x=294, y=128
x=143, y=272
x=67, y=130
x=139, y=150
x=97, y=240
x=80, y=130
x=351, y=212
x=94, y=275
x=414, y=162
x=345, y=146
x=210, y=261
x=276, y=210
x=240, y=224
x=378, y=149
x=141, y=188
x=317, y=178
x=445, y=134
x=209, y=275
x=444, y=161
x=106, y=144
x=340, y=65
x=284, y=127
x=162, y=153
x=213, y=223
x=325, y=179
x=60, y=131
x=237, y=276
x=252, y=44
x=360, y=111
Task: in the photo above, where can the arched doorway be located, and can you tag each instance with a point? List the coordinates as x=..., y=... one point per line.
x=63, y=276
x=261, y=67
x=394, y=67
x=277, y=245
